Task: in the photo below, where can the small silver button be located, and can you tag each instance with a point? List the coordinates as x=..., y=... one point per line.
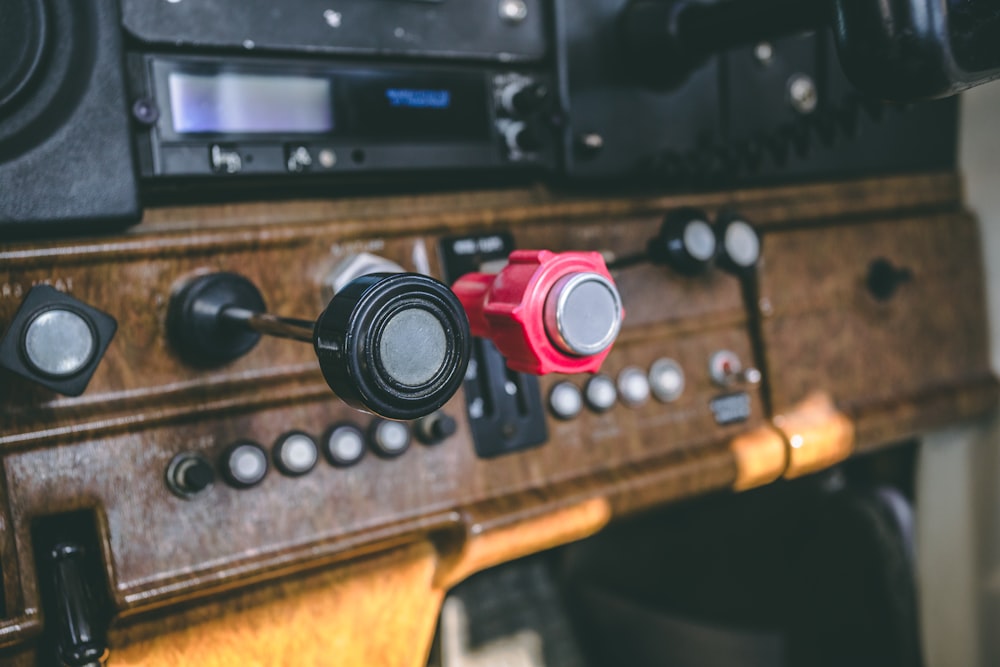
x=583, y=313
x=600, y=393
x=741, y=243
x=59, y=343
x=565, y=400
x=633, y=386
x=390, y=438
x=413, y=347
x=666, y=379
x=345, y=445
x=246, y=464
x=699, y=240
x=296, y=454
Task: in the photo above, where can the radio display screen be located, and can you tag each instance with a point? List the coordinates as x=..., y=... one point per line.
x=229, y=103
x=416, y=106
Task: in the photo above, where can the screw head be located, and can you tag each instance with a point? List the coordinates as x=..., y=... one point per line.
x=513, y=11
x=763, y=53
x=145, y=111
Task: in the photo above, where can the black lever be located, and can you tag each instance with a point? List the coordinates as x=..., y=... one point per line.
x=393, y=344
x=900, y=50
x=80, y=635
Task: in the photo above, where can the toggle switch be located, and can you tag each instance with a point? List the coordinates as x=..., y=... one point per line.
x=56, y=341
x=726, y=370
x=393, y=344
x=546, y=312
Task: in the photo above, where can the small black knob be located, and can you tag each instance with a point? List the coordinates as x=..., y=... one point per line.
x=529, y=99
x=56, y=341
x=686, y=242
x=884, y=279
x=435, y=428
x=739, y=243
x=189, y=475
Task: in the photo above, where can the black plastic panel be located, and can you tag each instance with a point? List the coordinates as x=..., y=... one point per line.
x=450, y=28
x=732, y=121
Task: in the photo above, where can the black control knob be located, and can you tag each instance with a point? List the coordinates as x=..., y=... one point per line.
x=393, y=344
x=189, y=475
x=435, y=428
x=686, y=242
x=56, y=341
x=23, y=32
x=885, y=279
x=521, y=138
x=739, y=243
x=523, y=98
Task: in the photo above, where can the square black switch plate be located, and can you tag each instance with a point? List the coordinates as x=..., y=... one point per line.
x=56, y=341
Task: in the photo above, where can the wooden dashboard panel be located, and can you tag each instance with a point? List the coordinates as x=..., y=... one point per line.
x=804, y=319
x=920, y=344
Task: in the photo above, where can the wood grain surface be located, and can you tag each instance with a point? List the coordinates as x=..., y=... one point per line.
x=893, y=369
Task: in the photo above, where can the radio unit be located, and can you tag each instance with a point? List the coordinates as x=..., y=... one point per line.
x=237, y=116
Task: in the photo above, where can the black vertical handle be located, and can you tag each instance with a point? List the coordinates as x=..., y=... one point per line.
x=80, y=635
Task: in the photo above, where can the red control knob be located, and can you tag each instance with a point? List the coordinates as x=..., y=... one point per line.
x=546, y=312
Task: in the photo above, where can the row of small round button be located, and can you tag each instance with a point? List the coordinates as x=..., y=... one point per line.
x=665, y=380
x=246, y=463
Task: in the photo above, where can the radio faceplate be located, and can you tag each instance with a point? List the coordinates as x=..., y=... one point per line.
x=234, y=117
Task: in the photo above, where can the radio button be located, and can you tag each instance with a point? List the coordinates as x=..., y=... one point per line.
x=245, y=464
x=344, y=445
x=225, y=159
x=600, y=393
x=633, y=386
x=565, y=400
x=666, y=378
x=296, y=454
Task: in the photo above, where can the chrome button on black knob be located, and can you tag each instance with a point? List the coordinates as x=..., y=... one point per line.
x=686, y=242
